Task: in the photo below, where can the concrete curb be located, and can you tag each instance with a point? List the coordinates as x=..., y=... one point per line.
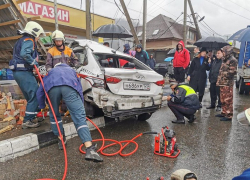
x=25, y=144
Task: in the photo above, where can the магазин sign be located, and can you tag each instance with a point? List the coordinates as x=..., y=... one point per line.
x=33, y=8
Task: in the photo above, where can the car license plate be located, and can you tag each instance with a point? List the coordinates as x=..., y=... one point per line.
x=246, y=80
x=136, y=86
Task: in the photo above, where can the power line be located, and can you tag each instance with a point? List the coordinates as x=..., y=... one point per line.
x=211, y=28
x=169, y=27
x=122, y=12
x=116, y=13
x=163, y=5
x=138, y=19
x=227, y=9
x=207, y=32
x=239, y=5
x=163, y=9
x=127, y=8
x=154, y=4
x=119, y=7
x=208, y=27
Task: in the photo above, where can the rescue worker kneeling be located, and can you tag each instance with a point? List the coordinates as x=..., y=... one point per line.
x=63, y=83
x=183, y=102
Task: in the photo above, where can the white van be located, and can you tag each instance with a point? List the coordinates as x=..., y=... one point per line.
x=115, y=84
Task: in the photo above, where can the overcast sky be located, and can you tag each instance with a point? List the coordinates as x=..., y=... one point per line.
x=222, y=21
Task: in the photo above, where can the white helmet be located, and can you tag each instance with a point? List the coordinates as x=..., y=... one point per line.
x=34, y=29
x=58, y=35
x=42, y=70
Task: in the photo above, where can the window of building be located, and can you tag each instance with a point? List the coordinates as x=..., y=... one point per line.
x=155, y=31
x=140, y=33
x=191, y=35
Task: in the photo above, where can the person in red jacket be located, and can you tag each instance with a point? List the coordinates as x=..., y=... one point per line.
x=181, y=62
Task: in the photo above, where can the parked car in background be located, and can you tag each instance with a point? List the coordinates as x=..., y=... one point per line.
x=116, y=84
x=162, y=68
x=165, y=69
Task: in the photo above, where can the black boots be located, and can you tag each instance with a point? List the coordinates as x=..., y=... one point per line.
x=60, y=142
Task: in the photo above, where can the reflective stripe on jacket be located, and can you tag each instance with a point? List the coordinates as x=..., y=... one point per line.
x=186, y=96
x=55, y=56
x=189, y=90
x=24, y=54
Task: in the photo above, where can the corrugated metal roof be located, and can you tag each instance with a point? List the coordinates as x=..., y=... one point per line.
x=10, y=21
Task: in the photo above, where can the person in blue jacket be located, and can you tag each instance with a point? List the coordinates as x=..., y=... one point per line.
x=183, y=102
x=152, y=61
x=141, y=55
x=244, y=176
x=62, y=83
x=25, y=56
x=127, y=49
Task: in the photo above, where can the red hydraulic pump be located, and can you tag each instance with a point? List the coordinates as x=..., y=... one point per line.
x=168, y=146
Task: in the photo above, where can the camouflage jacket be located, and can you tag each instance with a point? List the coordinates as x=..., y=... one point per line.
x=227, y=71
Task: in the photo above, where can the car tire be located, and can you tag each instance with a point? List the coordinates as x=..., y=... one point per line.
x=241, y=86
x=109, y=120
x=92, y=111
x=144, y=117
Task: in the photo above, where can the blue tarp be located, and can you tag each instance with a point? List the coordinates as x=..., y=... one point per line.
x=244, y=55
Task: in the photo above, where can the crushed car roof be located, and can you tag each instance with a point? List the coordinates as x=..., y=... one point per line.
x=99, y=48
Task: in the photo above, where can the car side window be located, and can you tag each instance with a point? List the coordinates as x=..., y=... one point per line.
x=116, y=61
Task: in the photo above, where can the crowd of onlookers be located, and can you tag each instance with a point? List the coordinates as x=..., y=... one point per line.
x=139, y=54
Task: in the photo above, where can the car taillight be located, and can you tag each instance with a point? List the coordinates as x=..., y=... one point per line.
x=94, y=81
x=160, y=83
x=112, y=80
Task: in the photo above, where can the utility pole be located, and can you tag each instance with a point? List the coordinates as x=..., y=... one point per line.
x=185, y=23
x=195, y=20
x=129, y=21
x=144, y=37
x=55, y=12
x=88, y=20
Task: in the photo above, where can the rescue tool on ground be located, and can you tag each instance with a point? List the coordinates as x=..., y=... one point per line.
x=167, y=146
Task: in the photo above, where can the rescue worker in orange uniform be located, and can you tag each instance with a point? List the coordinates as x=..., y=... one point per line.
x=60, y=53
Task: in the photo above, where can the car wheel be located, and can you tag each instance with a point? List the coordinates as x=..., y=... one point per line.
x=92, y=111
x=109, y=120
x=144, y=117
x=241, y=86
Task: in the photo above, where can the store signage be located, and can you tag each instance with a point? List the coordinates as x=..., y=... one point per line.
x=33, y=8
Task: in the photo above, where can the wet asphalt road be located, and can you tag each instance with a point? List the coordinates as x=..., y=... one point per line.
x=214, y=150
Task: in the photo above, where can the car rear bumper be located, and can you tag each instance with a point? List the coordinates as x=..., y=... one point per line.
x=131, y=112
x=117, y=105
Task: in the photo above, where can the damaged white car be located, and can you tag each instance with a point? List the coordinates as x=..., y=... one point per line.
x=115, y=84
